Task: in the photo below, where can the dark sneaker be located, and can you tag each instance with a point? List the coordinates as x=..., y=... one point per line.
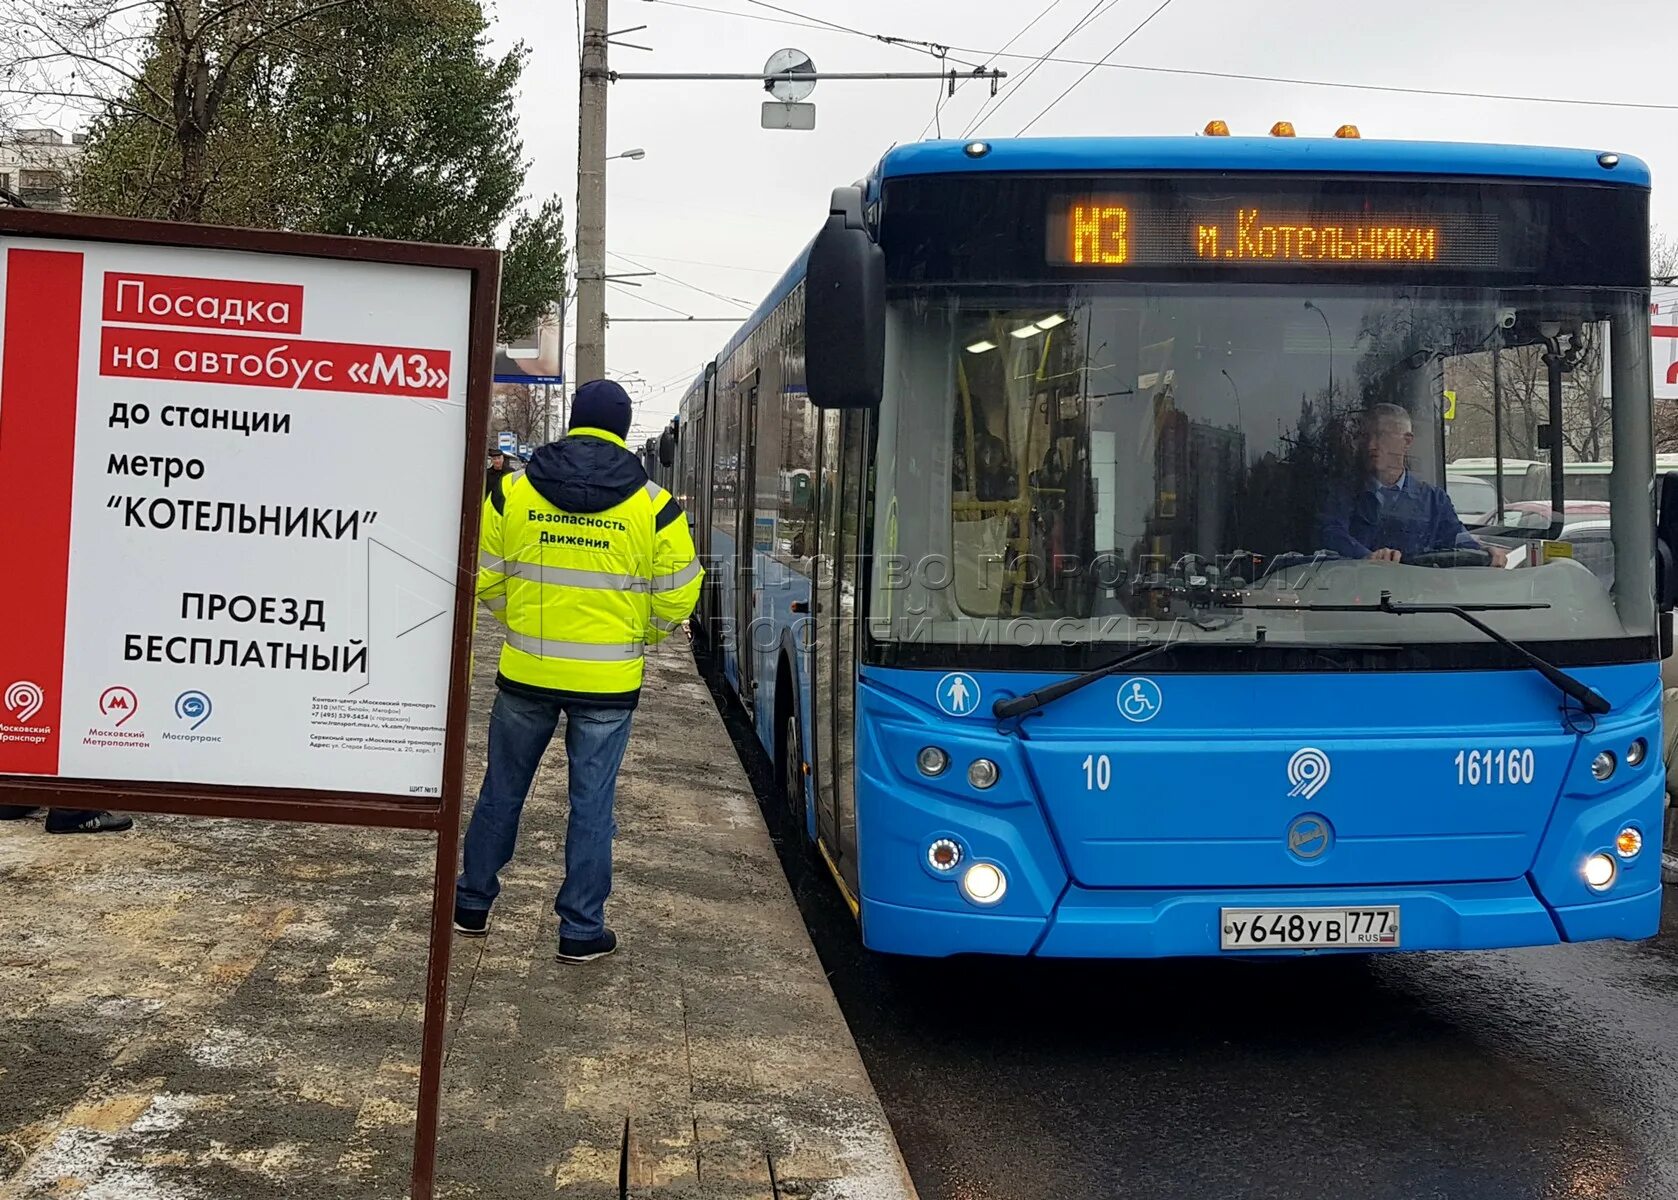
x=582, y=950
x=16, y=812
x=473, y=922
x=88, y=821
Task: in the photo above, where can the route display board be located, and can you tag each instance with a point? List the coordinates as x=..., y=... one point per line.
x=217, y=601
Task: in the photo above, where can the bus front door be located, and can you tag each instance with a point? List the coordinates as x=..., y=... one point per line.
x=841, y=502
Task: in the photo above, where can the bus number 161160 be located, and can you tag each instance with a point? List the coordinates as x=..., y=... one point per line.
x=1478, y=767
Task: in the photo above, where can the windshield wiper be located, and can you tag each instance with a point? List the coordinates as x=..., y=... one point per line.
x=1591, y=700
x=1017, y=705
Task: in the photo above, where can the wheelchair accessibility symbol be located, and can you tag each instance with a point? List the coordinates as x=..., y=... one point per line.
x=1139, y=700
x=958, y=694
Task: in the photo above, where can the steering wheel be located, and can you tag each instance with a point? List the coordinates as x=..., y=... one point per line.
x=1452, y=558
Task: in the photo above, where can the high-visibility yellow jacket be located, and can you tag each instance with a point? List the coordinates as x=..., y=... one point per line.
x=586, y=562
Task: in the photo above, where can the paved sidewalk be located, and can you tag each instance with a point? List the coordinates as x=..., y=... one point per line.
x=219, y=1010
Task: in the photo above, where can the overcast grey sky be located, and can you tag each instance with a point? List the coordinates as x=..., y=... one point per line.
x=736, y=202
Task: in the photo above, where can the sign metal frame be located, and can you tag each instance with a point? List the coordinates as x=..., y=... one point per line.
x=438, y=814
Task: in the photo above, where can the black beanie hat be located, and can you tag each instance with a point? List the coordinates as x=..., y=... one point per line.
x=601, y=404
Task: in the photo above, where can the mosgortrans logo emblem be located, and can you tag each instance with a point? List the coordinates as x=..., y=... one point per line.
x=24, y=700
x=193, y=708
x=21, y=704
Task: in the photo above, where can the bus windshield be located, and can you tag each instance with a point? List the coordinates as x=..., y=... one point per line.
x=1095, y=465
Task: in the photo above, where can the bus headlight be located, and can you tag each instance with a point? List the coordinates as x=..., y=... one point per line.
x=1602, y=766
x=982, y=773
x=1599, y=872
x=1635, y=752
x=984, y=883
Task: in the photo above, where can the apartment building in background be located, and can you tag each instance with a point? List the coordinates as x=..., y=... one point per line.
x=36, y=165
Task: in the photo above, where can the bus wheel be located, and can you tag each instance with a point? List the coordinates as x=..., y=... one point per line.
x=1669, y=846
x=792, y=777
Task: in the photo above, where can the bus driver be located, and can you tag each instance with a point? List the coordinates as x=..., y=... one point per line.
x=1394, y=516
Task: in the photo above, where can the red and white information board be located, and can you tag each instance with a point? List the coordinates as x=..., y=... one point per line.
x=1663, y=354
x=231, y=500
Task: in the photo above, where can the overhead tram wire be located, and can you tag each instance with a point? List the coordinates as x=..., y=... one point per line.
x=679, y=282
x=938, y=108
x=623, y=291
x=808, y=21
x=937, y=49
x=726, y=12
x=1238, y=76
x=990, y=106
x=1095, y=12
x=698, y=262
x=1246, y=77
x=1163, y=5
x=681, y=314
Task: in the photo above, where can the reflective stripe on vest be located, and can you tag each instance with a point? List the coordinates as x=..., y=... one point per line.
x=491, y=562
x=582, y=651
x=665, y=583
x=664, y=626
x=605, y=581
x=495, y=603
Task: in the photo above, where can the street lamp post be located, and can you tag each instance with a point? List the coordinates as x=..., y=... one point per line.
x=1330, y=329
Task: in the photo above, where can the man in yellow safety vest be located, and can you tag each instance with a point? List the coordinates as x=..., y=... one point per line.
x=586, y=562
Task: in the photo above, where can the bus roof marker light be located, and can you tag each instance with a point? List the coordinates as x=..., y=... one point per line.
x=1348, y=131
x=1608, y=161
x=980, y=346
x=976, y=149
x=1216, y=129
x=1282, y=129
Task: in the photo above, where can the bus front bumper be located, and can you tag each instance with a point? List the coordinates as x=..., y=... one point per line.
x=1090, y=923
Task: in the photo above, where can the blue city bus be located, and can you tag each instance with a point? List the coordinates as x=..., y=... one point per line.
x=1045, y=498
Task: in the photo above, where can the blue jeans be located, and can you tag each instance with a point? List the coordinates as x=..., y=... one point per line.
x=520, y=728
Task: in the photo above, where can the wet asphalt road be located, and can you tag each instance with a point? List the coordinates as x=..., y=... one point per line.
x=1492, y=1076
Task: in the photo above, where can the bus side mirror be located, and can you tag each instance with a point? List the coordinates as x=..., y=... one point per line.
x=845, y=310
x=667, y=449
x=1666, y=543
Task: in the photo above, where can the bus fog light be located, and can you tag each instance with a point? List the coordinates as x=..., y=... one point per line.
x=982, y=773
x=932, y=761
x=984, y=883
x=1602, y=766
x=943, y=855
x=1635, y=752
x=1628, y=842
x=1600, y=871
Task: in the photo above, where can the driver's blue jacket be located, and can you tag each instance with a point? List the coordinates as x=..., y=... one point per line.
x=1410, y=516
